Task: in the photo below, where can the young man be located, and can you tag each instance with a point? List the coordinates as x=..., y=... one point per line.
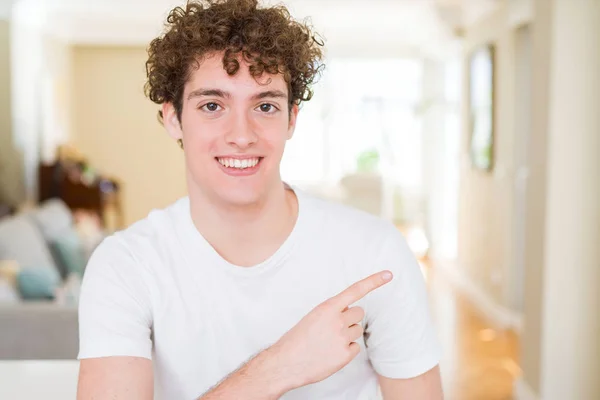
x=248, y=288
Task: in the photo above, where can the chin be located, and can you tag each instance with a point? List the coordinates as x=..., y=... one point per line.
x=240, y=196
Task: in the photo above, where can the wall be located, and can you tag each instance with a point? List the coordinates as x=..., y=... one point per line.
x=55, y=80
x=116, y=127
x=486, y=199
x=536, y=197
x=11, y=161
x=571, y=320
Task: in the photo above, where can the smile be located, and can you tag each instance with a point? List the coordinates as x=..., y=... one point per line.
x=239, y=167
x=238, y=163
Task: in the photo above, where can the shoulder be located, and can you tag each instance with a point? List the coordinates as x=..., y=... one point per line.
x=146, y=234
x=334, y=219
x=363, y=241
x=126, y=265
x=133, y=248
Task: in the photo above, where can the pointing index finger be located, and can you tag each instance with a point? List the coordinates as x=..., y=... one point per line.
x=361, y=288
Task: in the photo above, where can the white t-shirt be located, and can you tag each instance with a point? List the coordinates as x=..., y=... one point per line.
x=159, y=290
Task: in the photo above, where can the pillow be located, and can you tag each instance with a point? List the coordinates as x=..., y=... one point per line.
x=70, y=252
x=37, y=283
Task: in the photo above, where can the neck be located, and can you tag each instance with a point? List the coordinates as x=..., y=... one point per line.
x=232, y=230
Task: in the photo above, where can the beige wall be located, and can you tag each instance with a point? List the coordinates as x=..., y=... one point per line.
x=11, y=162
x=486, y=199
x=570, y=350
x=115, y=125
x=536, y=198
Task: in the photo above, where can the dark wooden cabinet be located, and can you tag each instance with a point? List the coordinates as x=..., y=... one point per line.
x=6, y=210
x=60, y=180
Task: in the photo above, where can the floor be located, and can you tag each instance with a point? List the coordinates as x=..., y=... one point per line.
x=479, y=362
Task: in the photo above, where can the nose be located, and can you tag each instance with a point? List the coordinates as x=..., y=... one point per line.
x=242, y=133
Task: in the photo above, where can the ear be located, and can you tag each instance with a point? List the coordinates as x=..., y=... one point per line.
x=293, y=119
x=171, y=122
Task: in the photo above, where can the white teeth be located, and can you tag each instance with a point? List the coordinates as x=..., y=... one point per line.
x=237, y=163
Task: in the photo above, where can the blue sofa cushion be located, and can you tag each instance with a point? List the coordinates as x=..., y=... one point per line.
x=70, y=253
x=36, y=283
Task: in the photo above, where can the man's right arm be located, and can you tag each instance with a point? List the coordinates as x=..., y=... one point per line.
x=115, y=319
x=115, y=378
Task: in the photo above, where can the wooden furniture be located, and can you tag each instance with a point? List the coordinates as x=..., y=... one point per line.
x=6, y=210
x=67, y=181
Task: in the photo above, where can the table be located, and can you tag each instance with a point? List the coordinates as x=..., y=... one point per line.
x=36, y=380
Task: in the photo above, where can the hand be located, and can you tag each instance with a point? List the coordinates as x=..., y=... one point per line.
x=322, y=342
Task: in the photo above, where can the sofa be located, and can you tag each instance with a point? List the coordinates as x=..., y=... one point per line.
x=40, y=328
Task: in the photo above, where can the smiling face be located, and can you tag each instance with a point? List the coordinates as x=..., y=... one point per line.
x=234, y=130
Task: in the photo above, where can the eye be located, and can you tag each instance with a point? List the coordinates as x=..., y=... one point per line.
x=212, y=107
x=267, y=108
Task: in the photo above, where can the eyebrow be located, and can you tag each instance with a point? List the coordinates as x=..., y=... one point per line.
x=208, y=92
x=269, y=94
x=224, y=94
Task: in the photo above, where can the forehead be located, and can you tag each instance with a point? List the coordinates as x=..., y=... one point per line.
x=211, y=74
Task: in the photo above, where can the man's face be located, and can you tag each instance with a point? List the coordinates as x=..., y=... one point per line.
x=234, y=130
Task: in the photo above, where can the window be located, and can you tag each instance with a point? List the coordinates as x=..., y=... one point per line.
x=360, y=107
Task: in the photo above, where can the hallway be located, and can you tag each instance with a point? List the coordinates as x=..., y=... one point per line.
x=478, y=362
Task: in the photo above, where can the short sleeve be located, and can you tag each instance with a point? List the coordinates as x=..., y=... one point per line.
x=115, y=315
x=400, y=338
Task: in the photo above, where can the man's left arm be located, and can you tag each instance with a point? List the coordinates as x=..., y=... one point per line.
x=401, y=341
x=426, y=386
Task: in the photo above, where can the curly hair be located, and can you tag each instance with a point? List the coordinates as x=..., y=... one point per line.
x=268, y=39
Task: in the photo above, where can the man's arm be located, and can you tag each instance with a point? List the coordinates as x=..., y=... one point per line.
x=115, y=319
x=115, y=378
x=427, y=386
x=259, y=379
x=401, y=338
x=131, y=378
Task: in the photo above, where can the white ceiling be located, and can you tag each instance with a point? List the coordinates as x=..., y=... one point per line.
x=378, y=27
